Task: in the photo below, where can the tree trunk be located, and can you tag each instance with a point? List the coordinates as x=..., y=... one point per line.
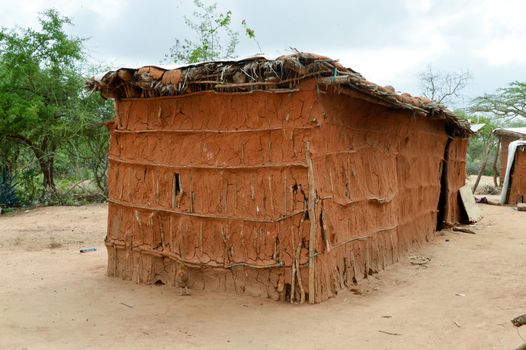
x=45, y=155
x=46, y=158
x=46, y=165
x=483, y=166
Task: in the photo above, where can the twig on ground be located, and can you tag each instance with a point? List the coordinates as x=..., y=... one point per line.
x=463, y=229
x=389, y=333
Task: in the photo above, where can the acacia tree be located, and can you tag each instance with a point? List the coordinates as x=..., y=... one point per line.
x=214, y=37
x=41, y=104
x=89, y=146
x=508, y=103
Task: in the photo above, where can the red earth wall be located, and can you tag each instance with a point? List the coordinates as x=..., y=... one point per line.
x=517, y=192
x=456, y=178
x=378, y=176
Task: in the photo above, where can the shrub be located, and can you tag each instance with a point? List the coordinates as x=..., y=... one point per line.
x=8, y=196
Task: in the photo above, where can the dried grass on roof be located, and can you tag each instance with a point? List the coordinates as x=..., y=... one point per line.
x=259, y=73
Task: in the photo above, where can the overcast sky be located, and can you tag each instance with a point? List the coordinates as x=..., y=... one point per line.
x=388, y=41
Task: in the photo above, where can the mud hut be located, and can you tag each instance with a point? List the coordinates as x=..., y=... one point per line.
x=517, y=192
x=290, y=178
x=505, y=136
x=514, y=184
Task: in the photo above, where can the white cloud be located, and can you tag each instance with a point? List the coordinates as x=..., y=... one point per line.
x=418, y=6
x=505, y=50
x=503, y=32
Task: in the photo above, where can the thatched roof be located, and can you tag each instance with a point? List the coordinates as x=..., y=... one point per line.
x=259, y=73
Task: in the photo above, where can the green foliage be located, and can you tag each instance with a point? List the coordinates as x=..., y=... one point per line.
x=46, y=117
x=505, y=108
x=478, y=142
x=39, y=88
x=507, y=103
x=214, y=37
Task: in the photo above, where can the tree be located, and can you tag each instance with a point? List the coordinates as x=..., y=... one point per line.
x=507, y=103
x=443, y=87
x=481, y=145
x=215, y=38
x=42, y=105
x=90, y=145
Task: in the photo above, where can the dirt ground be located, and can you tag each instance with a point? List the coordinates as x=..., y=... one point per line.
x=53, y=297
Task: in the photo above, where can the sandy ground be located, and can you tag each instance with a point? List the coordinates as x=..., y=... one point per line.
x=53, y=297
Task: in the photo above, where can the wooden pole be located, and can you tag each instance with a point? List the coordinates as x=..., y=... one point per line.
x=298, y=274
x=495, y=171
x=293, y=268
x=312, y=218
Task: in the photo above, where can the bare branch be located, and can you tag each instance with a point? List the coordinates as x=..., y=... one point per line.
x=507, y=103
x=443, y=87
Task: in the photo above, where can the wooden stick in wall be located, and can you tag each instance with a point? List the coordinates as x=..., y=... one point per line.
x=161, y=231
x=252, y=191
x=174, y=195
x=293, y=269
x=235, y=194
x=191, y=196
x=298, y=273
x=312, y=219
x=271, y=195
x=201, y=236
x=225, y=194
x=114, y=261
x=285, y=196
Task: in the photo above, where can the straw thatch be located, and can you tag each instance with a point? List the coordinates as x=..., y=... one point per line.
x=259, y=73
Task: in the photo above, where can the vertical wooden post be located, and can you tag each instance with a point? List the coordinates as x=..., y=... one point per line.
x=161, y=231
x=285, y=196
x=225, y=194
x=191, y=195
x=174, y=195
x=235, y=194
x=293, y=267
x=114, y=260
x=311, y=203
x=271, y=193
x=495, y=171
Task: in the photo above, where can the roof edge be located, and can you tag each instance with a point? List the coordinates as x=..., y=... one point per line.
x=258, y=73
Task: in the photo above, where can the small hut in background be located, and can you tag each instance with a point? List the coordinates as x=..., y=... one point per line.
x=517, y=187
x=290, y=178
x=505, y=136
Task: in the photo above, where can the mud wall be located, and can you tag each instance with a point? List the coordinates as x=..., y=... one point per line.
x=517, y=192
x=216, y=181
x=456, y=178
x=377, y=176
x=236, y=185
